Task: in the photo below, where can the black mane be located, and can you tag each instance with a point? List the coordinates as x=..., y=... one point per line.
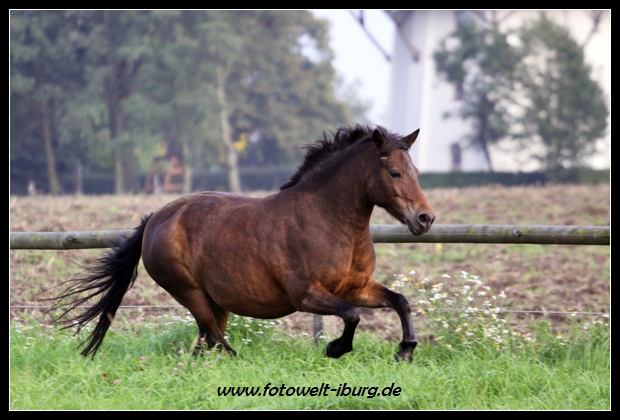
x=344, y=137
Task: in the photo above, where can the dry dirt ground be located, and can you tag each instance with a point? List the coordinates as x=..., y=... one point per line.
x=538, y=280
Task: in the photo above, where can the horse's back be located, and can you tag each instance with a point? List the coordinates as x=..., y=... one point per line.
x=186, y=226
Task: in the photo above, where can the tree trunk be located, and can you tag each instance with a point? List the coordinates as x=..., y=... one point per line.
x=119, y=186
x=483, y=143
x=79, y=178
x=111, y=106
x=187, y=168
x=50, y=159
x=487, y=156
x=120, y=72
x=112, y=97
x=232, y=158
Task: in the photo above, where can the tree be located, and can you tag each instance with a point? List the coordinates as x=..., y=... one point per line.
x=82, y=64
x=564, y=111
x=480, y=63
x=119, y=44
x=279, y=78
x=228, y=73
x=176, y=101
x=46, y=70
x=537, y=90
x=195, y=80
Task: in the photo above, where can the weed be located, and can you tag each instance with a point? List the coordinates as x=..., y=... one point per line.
x=465, y=313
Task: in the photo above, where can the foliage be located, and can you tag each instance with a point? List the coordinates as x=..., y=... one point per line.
x=564, y=110
x=535, y=89
x=122, y=87
x=46, y=71
x=468, y=315
x=481, y=66
x=576, y=175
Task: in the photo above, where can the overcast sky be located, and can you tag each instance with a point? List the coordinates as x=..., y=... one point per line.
x=357, y=58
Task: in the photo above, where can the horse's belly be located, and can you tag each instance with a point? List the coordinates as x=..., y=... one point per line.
x=263, y=311
x=250, y=297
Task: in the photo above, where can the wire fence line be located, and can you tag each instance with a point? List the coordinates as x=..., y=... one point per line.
x=426, y=310
x=481, y=234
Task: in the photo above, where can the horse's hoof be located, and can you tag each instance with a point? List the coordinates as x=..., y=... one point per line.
x=335, y=349
x=406, y=352
x=400, y=356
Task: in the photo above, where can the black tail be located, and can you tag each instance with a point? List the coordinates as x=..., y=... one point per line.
x=110, y=278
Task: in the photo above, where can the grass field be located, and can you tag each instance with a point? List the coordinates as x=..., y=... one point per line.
x=149, y=368
x=548, y=293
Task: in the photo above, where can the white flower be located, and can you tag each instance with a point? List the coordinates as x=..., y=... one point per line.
x=437, y=287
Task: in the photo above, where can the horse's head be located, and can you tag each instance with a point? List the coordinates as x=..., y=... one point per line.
x=394, y=183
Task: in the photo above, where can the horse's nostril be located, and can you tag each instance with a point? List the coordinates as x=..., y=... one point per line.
x=425, y=219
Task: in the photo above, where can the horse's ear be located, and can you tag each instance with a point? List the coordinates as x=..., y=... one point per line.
x=377, y=139
x=410, y=139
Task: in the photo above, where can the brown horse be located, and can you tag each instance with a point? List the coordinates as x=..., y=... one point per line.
x=305, y=248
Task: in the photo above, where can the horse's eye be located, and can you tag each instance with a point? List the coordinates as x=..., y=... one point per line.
x=395, y=174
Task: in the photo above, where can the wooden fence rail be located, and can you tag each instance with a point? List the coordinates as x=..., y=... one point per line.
x=480, y=234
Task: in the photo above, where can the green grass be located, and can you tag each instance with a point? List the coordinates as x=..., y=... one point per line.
x=148, y=366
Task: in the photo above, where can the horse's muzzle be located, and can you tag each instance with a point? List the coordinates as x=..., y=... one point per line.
x=420, y=222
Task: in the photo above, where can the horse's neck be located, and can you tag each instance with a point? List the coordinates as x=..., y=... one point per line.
x=340, y=199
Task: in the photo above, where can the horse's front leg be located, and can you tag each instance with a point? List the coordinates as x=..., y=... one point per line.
x=375, y=295
x=318, y=300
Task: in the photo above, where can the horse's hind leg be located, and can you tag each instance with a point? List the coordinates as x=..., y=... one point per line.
x=209, y=336
x=210, y=317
